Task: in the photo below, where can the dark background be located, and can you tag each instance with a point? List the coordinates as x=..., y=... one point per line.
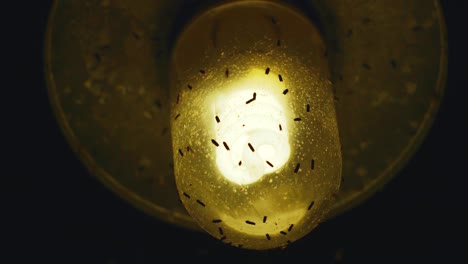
x=56, y=212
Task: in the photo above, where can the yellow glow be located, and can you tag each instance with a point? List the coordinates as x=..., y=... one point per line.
x=255, y=140
x=250, y=114
x=272, y=226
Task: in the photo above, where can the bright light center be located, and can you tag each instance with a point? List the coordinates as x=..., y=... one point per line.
x=251, y=130
x=266, y=151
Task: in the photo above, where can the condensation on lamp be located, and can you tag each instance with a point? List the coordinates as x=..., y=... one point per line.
x=256, y=145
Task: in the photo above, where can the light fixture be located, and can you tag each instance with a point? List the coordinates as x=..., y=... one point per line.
x=229, y=117
x=255, y=140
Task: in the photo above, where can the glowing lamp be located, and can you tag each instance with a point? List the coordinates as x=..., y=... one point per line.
x=255, y=140
x=236, y=117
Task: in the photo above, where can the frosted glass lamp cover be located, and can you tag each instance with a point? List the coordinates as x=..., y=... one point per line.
x=255, y=140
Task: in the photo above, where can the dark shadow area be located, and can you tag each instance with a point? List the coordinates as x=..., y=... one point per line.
x=57, y=213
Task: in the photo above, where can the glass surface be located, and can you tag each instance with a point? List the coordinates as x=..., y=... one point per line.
x=255, y=140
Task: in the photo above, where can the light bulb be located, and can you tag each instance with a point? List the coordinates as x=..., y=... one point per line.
x=255, y=139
